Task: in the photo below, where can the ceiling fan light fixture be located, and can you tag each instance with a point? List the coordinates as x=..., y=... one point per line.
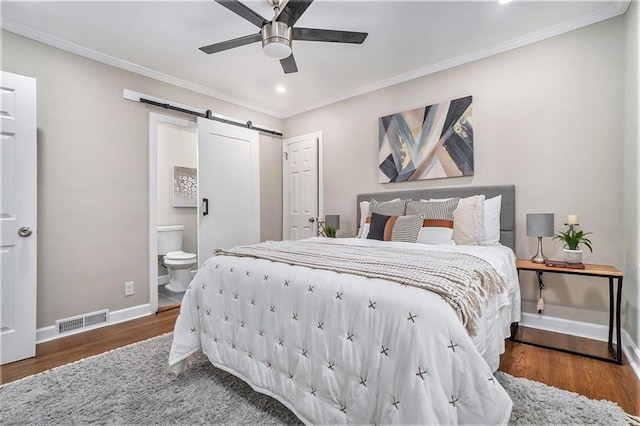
x=276, y=40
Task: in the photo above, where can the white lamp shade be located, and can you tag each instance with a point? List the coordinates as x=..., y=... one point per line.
x=540, y=224
x=276, y=50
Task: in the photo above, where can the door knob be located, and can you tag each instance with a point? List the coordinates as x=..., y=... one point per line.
x=312, y=219
x=25, y=231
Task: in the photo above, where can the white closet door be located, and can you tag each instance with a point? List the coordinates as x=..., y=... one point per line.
x=229, y=178
x=18, y=235
x=301, y=187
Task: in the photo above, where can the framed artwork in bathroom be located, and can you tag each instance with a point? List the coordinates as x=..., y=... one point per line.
x=185, y=186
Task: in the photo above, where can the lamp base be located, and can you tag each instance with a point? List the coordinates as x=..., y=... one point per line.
x=539, y=257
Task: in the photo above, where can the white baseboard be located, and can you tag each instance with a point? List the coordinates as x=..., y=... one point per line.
x=586, y=330
x=46, y=334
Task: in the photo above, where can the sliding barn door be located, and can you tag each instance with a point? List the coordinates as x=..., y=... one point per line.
x=228, y=187
x=17, y=217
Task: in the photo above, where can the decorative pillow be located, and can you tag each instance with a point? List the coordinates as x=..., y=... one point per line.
x=437, y=227
x=396, y=207
x=492, y=208
x=395, y=228
x=468, y=221
x=364, y=213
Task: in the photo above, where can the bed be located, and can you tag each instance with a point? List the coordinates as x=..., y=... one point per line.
x=339, y=342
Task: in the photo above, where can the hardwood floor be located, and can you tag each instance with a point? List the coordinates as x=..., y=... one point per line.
x=72, y=348
x=592, y=378
x=589, y=377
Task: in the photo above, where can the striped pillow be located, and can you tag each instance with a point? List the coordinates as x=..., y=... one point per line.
x=437, y=226
x=395, y=228
x=388, y=208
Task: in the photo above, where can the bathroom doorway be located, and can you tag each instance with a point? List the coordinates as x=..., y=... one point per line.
x=173, y=201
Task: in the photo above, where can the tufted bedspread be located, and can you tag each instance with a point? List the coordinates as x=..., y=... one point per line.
x=339, y=348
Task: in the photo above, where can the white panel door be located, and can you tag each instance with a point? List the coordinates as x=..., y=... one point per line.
x=300, y=187
x=229, y=179
x=17, y=217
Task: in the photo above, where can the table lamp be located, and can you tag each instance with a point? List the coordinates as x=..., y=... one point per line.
x=332, y=220
x=539, y=225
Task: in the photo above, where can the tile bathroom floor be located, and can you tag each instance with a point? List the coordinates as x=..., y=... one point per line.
x=168, y=297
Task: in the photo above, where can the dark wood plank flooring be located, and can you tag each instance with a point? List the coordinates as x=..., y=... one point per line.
x=589, y=377
x=592, y=378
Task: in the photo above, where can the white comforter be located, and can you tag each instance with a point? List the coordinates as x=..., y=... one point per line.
x=338, y=348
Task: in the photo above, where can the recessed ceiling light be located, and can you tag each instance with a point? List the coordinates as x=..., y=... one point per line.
x=280, y=88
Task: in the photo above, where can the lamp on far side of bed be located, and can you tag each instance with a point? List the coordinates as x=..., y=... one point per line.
x=539, y=225
x=330, y=225
x=332, y=220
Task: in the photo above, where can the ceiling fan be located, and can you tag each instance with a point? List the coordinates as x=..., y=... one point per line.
x=276, y=35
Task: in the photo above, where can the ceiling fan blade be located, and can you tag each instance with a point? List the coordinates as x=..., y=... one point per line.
x=334, y=36
x=230, y=44
x=289, y=64
x=240, y=9
x=293, y=11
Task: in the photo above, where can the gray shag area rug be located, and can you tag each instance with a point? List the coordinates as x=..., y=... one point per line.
x=132, y=385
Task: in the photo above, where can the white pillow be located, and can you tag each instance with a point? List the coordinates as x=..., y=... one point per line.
x=492, y=208
x=364, y=212
x=436, y=235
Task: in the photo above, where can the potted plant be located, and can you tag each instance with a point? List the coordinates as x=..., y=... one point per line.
x=330, y=231
x=572, y=239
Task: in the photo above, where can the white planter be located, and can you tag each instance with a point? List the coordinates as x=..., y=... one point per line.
x=572, y=256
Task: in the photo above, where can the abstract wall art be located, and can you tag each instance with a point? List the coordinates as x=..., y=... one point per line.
x=427, y=143
x=185, y=186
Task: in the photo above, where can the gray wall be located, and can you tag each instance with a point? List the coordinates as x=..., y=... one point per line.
x=631, y=236
x=548, y=118
x=93, y=176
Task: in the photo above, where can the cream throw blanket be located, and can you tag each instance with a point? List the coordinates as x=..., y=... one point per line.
x=462, y=280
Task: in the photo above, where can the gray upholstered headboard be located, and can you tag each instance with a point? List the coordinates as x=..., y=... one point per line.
x=507, y=213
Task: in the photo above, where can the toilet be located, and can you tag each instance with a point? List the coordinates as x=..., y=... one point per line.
x=177, y=262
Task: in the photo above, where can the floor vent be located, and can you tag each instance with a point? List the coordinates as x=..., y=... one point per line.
x=83, y=321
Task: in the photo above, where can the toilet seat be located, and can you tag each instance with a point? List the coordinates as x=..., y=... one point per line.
x=179, y=255
x=177, y=258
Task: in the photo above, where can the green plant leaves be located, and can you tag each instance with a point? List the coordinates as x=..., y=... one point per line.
x=573, y=238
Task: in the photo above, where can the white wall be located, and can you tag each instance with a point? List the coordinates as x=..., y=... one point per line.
x=93, y=176
x=177, y=146
x=631, y=238
x=548, y=118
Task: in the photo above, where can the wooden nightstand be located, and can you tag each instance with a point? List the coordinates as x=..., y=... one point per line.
x=604, y=271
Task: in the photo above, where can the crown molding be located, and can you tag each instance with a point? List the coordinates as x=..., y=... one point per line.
x=85, y=52
x=614, y=9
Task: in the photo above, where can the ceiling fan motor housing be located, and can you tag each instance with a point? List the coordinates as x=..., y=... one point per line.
x=276, y=39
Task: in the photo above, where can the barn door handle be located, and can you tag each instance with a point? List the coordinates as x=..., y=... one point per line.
x=206, y=206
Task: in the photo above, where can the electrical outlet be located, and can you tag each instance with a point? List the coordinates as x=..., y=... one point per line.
x=129, y=288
